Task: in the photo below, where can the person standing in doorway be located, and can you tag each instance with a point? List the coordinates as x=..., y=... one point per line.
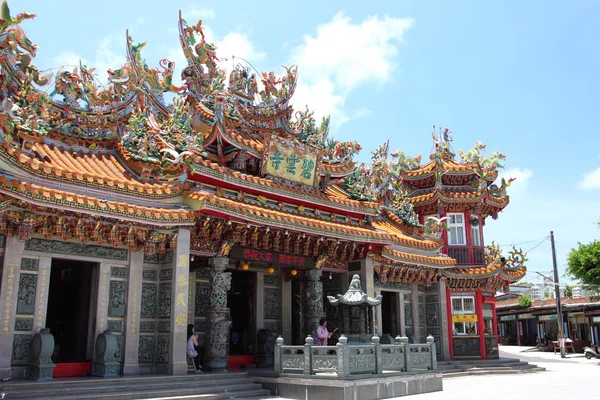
x=192, y=346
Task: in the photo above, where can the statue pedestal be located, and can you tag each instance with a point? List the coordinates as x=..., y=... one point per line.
x=105, y=364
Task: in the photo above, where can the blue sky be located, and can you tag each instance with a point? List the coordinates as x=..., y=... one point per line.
x=519, y=76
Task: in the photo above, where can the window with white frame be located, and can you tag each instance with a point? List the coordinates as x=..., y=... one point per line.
x=463, y=305
x=475, y=230
x=456, y=229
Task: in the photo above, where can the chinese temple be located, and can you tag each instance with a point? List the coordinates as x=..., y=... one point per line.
x=127, y=215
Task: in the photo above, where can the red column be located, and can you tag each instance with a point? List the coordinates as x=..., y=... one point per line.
x=494, y=321
x=480, y=322
x=450, y=325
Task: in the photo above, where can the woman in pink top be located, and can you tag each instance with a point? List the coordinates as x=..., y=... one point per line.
x=322, y=333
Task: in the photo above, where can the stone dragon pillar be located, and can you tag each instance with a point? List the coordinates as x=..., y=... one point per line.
x=314, y=302
x=217, y=338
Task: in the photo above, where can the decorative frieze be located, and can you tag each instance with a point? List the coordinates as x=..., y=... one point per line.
x=29, y=264
x=165, y=274
x=115, y=325
x=75, y=249
x=157, y=258
x=147, y=326
x=23, y=324
x=149, y=274
x=26, y=296
x=118, y=272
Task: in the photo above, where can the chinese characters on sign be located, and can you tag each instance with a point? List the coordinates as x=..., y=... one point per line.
x=271, y=257
x=290, y=161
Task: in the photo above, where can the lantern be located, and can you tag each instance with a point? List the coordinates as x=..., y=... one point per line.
x=270, y=270
x=293, y=272
x=246, y=267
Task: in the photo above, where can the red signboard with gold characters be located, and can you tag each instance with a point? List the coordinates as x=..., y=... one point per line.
x=291, y=161
x=271, y=257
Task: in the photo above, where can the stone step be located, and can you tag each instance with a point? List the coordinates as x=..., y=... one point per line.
x=108, y=390
x=200, y=386
x=491, y=371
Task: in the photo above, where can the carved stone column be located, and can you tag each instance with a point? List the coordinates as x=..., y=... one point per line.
x=8, y=301
x=131, y=334
x=179, y=305
x=314, y=302
x=217, y=337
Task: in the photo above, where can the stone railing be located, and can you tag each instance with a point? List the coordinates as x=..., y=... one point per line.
x=344, y=359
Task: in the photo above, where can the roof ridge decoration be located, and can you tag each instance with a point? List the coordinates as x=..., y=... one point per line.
x=379, y=182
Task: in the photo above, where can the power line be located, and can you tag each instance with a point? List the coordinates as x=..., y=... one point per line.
x=518, y=244
x=546, y=238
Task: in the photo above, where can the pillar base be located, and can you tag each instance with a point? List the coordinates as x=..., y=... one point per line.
x=39, y=372
x=131, y=369
x=106, y=369
x=178, y=368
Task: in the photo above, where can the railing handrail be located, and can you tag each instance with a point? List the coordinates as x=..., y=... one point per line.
x=404, y=359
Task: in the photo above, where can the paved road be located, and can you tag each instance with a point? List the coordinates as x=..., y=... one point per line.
x=570, y=378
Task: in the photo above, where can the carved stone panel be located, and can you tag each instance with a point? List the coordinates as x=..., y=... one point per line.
x=166, y=274
x=119, y=353
x=115, y=325
x=26, y=298
x=148, y=306
x=491, y=347
x=432, y=317
x=76, y=249
x=117, y=300
x=362, y=362
x=146, y=326
x=20, y=350
x=150, y=274
x=164, y=326
x=118, y=272
x=271, y=304
x=156, y=258
x=203, y=274
x=407, y=310
x=162, y=349
x=145, y=349
x=23, y=324
x=29, y=264
x=164, y=299
x=202, y=301
x=271, y=280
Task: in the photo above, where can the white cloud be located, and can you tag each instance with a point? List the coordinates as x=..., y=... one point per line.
x=521, y=183
x=343, y=56
x=590, y=180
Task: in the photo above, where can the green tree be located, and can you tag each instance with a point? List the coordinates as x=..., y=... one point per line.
x=525, y=301
x=569, y=290
x=583, y=263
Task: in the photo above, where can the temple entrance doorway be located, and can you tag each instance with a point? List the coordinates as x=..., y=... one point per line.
x=70, y=315
x=390, y=314
x=240, y=300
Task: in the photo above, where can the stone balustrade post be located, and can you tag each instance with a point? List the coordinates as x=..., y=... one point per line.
x=378, y=354
x=404, y=342
x=40, y=365
x=432, y=351
x=343, y=357
x=105, y=364
x=308, y=344
x=278, y=355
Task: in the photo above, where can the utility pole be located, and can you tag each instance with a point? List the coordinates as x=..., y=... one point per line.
x=561, y=341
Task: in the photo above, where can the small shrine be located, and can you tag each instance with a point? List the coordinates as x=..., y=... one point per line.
x=356, y=310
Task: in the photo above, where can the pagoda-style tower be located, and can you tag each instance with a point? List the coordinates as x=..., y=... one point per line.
x=458, y=194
